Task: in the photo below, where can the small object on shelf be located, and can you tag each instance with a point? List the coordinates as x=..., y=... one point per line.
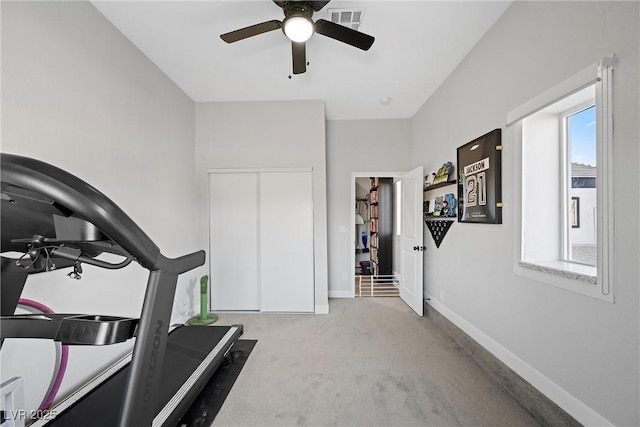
x=437, y=207
x=444, y=173
x=440, y=206
x=448, y=205
x=364, y=240
x=428, y=179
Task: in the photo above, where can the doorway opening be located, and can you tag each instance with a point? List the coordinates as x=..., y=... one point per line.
x=407, y=233
x=375, y=234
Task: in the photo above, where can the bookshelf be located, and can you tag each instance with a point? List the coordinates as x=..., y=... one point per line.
x=381, y=225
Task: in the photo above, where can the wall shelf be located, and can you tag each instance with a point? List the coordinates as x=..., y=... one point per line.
x=439, y=185
x=431, y=217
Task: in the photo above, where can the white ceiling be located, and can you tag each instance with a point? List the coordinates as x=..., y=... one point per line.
x=417, y=45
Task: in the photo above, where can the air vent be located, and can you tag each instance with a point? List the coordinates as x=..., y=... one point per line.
x=351, y=18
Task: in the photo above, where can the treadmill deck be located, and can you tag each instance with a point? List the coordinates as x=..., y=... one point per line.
x=190, y=349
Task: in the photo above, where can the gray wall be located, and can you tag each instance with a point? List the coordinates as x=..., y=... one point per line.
x=372, y=146
x=582, y=352
x=76, y=93
x=265, y=135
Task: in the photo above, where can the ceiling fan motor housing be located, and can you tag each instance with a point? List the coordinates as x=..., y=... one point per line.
x=296, y=8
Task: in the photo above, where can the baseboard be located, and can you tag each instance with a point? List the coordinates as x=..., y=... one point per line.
x=549, y=403
x=321, y=309
x=340, y=294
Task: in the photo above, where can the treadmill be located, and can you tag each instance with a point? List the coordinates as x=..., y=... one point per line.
x=55, y=220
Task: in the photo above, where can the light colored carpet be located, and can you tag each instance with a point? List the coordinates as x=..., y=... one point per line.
x=370, y=362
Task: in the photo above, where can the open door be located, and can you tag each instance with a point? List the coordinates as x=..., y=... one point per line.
x=412, y=240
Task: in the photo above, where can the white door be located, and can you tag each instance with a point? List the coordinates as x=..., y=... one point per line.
x=412, y=240
x=233, y=241
x=286, y=242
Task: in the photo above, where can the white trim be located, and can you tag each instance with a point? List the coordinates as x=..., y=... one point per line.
x=341, y=294
x=258, y=170
x=604, y=178
x=573, y=84
x=569, y=403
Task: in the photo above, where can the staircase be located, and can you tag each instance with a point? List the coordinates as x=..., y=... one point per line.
x=377, y=286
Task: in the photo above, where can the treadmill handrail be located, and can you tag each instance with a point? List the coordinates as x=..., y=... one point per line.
x=88, y=203
x=181, y=264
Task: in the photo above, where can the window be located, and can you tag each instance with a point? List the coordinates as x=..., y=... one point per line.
x=579, y=196
x=565, y=217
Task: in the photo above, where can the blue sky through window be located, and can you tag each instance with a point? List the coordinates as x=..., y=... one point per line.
x=582, y=128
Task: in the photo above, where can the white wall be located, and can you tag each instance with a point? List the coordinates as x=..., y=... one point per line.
x=581, y=352
x=541, y=153
x=265, y=135
x=356, y=146
x=76, y=93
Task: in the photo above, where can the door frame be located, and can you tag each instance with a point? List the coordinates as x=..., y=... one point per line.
x=352, y=242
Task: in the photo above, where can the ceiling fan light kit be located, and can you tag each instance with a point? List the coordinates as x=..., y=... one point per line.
x=298, y=26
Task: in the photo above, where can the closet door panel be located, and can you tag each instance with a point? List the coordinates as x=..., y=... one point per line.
x=233, y=251
x=286, y=242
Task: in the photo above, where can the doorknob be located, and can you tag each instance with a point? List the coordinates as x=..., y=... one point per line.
x=419, y=248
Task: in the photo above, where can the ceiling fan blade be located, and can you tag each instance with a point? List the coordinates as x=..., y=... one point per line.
x=251, y=31
x=346, y=35
x=317, y=5
x=299, y=54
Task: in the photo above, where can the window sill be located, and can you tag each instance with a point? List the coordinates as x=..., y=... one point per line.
x=576, y=278
x=568, y=270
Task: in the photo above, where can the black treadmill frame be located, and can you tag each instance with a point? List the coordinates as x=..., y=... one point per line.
x=85, y=202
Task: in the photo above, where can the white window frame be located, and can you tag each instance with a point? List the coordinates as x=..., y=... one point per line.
x=398, y=206
x=574, y=277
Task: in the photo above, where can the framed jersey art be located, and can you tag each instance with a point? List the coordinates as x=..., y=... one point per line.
x=480, y=179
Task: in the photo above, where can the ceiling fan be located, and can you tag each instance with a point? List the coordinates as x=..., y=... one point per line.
x=298, y=26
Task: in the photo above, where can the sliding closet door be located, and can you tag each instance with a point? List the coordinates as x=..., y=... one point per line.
x=233, y=241
x=286, y=242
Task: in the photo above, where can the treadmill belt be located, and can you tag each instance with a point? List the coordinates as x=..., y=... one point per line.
x=186, y=348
